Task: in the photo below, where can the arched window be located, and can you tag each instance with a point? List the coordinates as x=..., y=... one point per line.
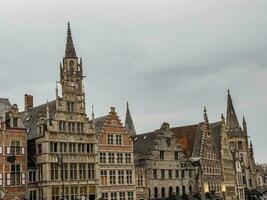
x=190, y=189
x=177, y=190
x=163, y=192
x=156, y=192
x=149, y=193
x=170, y=191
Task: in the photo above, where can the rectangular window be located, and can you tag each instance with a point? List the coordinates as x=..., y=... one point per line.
x=15, y=122
x=74, y=192
x=72, y=147
x=162, y=172
x=32, y=176
x=15, y=147
x=110, y=139
x=161, y=155
x=90, y=148
x=1, y=179
x=53, y=147
x=102, y=157
x=182, y=174
x=63, y=147
x=73, y=171
x=103, y=177
x=112, y=177
x=65, y=171
x=170, y=173
x=70, y=106
x=33, y=195
x=111, y=158
x=155, y=174
x=176, y=155
x=113, y=196
x=104, y=195
x=140, y=180
x=54, y=171
x=55, y=193
x=177, y=173
x=129, y=176
x=15, y=174
x=119, y=157
x=118, y=140
x=121, y=195
x=168, y=141
x=128, y=157
x=130, y=196
x=91, y=171
x=121, y=176
x=82, y=171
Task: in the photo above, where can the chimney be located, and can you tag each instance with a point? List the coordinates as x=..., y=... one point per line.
x=28, y=101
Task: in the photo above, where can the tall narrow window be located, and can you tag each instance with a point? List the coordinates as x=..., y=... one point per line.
x=128, y=157
x=15, y=174
x=91, y=171
x=129, y=176
x=119, y=157
x=121, y=176
x=176, y=155
x=112, y=177
x=103, y=177
x=102, y=157
x=161, y=155
x=118, y=140
x=110, y=139
x=111, y=158
x=70, y=106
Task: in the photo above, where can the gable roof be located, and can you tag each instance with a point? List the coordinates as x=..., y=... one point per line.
x=186, y=136
x=142, y=143
x=30, y=117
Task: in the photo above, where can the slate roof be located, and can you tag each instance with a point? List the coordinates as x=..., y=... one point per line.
x=5, y=101
x=99, y=123
x=5, y=105
x=142, y=143
x=216, y=130
x=29, y=118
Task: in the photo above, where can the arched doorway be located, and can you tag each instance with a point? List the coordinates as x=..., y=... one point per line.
x=190, y=190
x=170, y=191
x=177, y=190
x=156, y=192
x=184, y=192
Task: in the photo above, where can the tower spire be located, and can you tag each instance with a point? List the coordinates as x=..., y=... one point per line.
x=129, y=125
x=206, y=120
x=231, y=118
x=70, y=50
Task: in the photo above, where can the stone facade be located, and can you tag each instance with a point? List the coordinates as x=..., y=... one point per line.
x=13, y=154
x=116, y=161
x=238, y=139
x=62, y=142
x=161, y=166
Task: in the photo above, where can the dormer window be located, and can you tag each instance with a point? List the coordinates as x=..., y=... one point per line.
x=168, y=141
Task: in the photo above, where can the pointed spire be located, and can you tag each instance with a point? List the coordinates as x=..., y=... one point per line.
x=244, y=123
x=206, y=120
x=222, y=118
x=129, y=125
x=93, y=112
x=231, y=118
x=56, y=91
x=70, y=50
x=251, y=147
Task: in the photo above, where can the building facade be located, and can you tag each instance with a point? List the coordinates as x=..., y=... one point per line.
x=13, y=154
x=161, y=167
x=62, y=142
x=198, y=143
x=238, y=139
x=116, y=161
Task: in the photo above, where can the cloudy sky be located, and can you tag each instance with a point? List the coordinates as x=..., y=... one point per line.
x=168, y=58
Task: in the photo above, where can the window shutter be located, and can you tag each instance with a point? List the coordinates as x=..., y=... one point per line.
x=23, y=178
x=1, y=179
x=8, y=150
x=1, y=149
x=22, y=150
x=8, y=179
